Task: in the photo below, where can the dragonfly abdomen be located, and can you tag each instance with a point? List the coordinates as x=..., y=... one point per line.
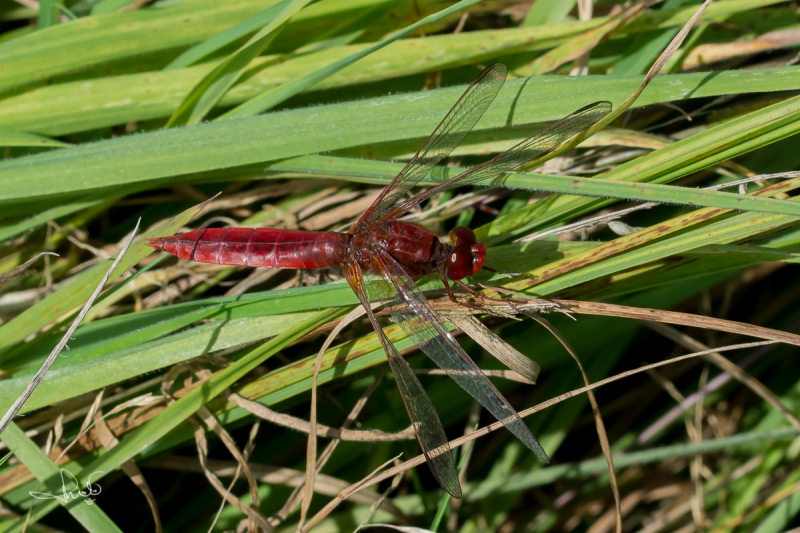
x=258, y=247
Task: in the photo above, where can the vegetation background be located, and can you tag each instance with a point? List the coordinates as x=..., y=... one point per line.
x=116, y=110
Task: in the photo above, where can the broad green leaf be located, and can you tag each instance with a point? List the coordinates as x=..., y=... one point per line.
x=214, y=85
x=282, y=93
x=90, y=516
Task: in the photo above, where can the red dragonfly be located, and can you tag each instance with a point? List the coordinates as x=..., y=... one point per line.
x=388, y=255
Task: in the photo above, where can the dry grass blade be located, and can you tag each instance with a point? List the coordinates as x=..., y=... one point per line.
x=368, y=480
x=715, y=384
x=326, y=454
x=129, y=467
x=311, y=450
x=580, y=47
x=504, y=374
x=254, y=517
x=5, y=276
x=87, y=423
x=298, y=424
x=420, y=459
x=248, y=449
x=598, y=419
x=528, y=370
x=587, y=223
x=211, y=421
x=654, y=70
x=270, y=475
x=374, y=507
x=17, y=405
x=202, y=449
x=683, y=319
x=401, y=529
x=734, y=370
x=768, y=503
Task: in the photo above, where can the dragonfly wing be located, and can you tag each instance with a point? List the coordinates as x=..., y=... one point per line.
x=535, y=146
x=426, y=328
x=458, y=122
x=428, y=427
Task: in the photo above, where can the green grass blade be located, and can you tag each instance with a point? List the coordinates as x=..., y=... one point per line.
x=548, y=12
x=228, y=143
x=187, y=405
x=109, y=6
x=75, y=292
x=48, y=12
x=598, y=465
x=779, y=518
x=274, y=97
x=84, y=105
x=113, y=36
x=204, y=96
x=721, y=143
x=90, y=516
x=202, y=50
x=19, y=138
x=648, y=245
x=85, y=372
x=51, y=51
x=380, y=172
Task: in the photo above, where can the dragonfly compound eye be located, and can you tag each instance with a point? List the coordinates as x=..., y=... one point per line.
x=459, y=264
x=462, y=235
x=478, y=253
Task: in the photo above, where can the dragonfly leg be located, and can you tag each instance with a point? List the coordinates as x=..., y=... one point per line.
x=468, y=303
x=493, y=271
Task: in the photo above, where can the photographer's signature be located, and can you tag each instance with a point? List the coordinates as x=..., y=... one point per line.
x=68, y=480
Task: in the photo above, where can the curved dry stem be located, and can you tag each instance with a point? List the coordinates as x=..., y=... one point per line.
x=420, y=459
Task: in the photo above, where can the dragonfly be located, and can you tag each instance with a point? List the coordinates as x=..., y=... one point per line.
x=390, y=255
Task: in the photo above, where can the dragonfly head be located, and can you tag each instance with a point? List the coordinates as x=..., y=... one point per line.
x=466, y=256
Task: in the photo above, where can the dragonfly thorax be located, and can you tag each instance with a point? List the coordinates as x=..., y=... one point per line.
x=416, y=249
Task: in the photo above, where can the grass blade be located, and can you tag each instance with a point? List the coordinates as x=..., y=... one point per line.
x=274, y=97
x=90, y=516
x=80, y=287
x=213, y=87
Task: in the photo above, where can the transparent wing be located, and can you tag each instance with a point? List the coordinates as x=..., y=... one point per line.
x=427, y=329
x=429, y=430
x=537, y=145
x=458, y=122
